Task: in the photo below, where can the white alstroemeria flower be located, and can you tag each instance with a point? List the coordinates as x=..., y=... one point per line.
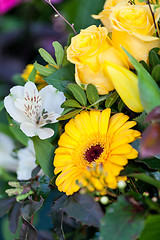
x=33, y=109
x=7, y=161
x=26, y=162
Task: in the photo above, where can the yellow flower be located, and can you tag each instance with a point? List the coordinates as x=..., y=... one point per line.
x=88, y=51
x=38, y=78
x=133, y=28
x=94, y=138
x=95, y=179
x=126, y=84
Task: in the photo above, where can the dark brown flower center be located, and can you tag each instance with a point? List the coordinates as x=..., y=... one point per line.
x=93, y=153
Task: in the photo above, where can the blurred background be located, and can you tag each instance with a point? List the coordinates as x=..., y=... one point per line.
x=26, y=26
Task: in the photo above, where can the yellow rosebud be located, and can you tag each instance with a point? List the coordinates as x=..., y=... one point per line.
x=126, y=84
x=88, y=50
x=133, y=28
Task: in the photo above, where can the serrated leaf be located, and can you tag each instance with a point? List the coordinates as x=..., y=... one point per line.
x=145, y=178
x=71, y=103
x=140, y=120
x=44, y=154
x=83, y=208
x=148, y=88
x=124, y=220
x=62, y=77
x=156, y=73
x=153, y=58
x=92, y=94
x=111, y=99
x=18, y=134
x=151, y=229
x=31, y=207
x=1, y=105
x=59, y=52
x=69, y=115
x=44, y=71
x=32, y=75
x=47, y=57
x=78, y=93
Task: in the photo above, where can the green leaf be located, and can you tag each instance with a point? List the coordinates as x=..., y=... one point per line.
x=92, y=94
x=152, y=163
x=111, y=99
x=44, y=154
x=153, y=58
x=47, y=57
x=32, y=75
x=78, y=93
x=145, y=65
x=18, y=134
x=43, y=188
x=145, y=178
x=151, y=229
x=156, y=73
x=18, y=80
x=1, y=105
x=71, y=103
x=140, y=120
x=59, y=52
x=62, y=77
x=69, y=115
x=124, y=220
x=149, y=90
x=44, y=71
x=120, y=105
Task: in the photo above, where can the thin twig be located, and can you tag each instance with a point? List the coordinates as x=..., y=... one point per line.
x=152, y=13
x=71, y=25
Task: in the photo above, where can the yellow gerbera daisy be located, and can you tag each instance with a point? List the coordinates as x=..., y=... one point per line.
x=94, y=138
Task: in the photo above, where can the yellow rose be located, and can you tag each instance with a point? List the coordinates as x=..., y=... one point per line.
x=133, y=28
x=88, y=50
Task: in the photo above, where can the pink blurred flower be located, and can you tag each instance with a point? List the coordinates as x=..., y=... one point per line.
x=6, y=5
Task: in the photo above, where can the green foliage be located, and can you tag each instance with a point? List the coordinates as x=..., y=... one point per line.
x=43, y=188
x=149, y=90
x=44, y=154
x=1, y=105
x=92, y=95
x=32, y=75
x=111, y=99
x=47, y=57
x=156, y=73
x=124, y=220
x=146, y=178
x=59, y=52
x=151, y=229
x=62, y=77
x=78, y=93
x=17, y=133
x=44, y=71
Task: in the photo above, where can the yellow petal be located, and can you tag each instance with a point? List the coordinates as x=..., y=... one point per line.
x=126, y=84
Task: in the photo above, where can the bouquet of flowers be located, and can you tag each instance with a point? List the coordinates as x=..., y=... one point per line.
x=87, y=127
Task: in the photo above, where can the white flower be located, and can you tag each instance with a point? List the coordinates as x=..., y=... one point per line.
x=26, y=162
x=33, y=109
x=7, y=161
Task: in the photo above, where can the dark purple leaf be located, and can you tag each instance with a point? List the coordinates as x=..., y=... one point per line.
x=5, y=205
x=28, y=231
x=31, y=207
x=153, y=115
x=44, y=235
x=14, y=217
x=83, y=208
x=150, y=142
